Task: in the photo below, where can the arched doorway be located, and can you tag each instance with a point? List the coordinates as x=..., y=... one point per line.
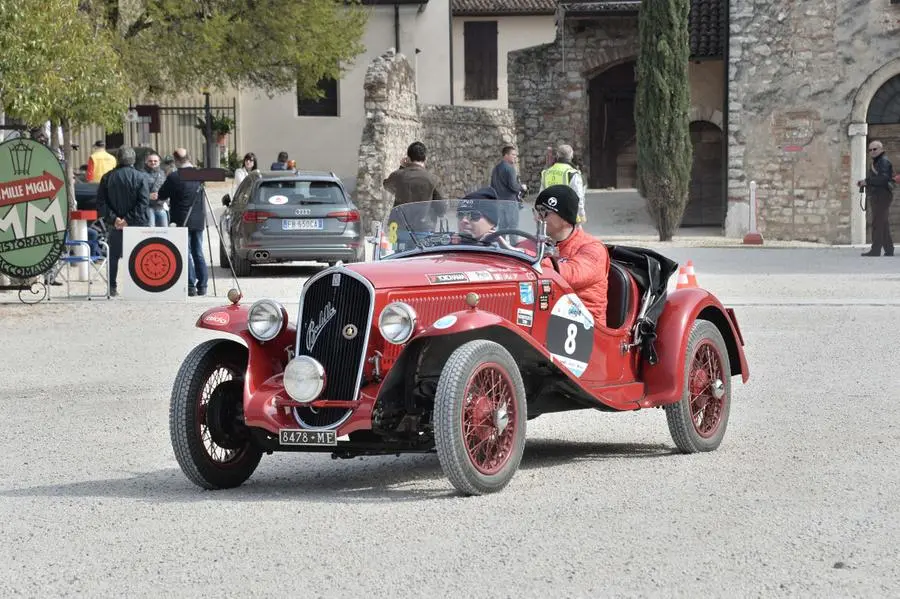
x=883, y=118
x=612, y=125
x=706, y=206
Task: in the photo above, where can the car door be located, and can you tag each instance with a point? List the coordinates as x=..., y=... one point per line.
x=298, y=212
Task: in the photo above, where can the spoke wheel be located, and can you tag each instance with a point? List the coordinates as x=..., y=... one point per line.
x=698, y=421
x=480, y=415
x=209, y=438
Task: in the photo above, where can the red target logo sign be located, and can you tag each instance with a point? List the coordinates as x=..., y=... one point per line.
x=155, y=265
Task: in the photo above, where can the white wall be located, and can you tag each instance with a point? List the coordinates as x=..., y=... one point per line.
x=268, y=126
x=513, y=33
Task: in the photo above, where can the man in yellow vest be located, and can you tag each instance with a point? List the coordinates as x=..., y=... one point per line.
x=100, y=162
x=563, y=172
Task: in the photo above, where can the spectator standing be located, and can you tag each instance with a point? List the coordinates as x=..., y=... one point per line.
x=564, y=172
x=879, y=184
x=505, y=181
x=100, y=162
x=240, y=173
x=188, y=210
x=281, y=163
x=123, y=200
x=159, y=216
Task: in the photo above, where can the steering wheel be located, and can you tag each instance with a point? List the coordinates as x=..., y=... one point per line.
x=490, y=237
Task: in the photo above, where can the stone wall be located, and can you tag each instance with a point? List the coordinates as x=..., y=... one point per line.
x=795, y=69
x=548, y=88
x=463, y=142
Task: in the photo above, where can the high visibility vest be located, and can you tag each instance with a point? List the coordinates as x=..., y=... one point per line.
x=100, y=163
x=558, y=174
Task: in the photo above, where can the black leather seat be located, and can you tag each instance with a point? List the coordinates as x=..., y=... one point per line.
x=618, y=296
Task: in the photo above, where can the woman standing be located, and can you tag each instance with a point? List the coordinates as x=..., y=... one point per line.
x=241, y=172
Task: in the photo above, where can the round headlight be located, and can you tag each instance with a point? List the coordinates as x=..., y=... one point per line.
x=265, y=319
x=397, y=322
x=304, y=379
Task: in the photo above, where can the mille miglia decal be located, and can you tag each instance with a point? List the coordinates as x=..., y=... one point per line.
x=315, y=328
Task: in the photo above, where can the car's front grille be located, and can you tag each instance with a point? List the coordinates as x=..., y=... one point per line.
x=335, y=315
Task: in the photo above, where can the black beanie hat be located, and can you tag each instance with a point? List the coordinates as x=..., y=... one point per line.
x=560, y=199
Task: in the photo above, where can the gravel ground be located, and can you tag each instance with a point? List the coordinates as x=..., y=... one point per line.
x=800, y=499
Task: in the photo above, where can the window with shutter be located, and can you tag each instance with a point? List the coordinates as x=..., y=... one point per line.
x=327, y=105
x=480, y=47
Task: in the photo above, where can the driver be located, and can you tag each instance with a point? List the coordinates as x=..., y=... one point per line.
x=478, y=214
x=583, y=259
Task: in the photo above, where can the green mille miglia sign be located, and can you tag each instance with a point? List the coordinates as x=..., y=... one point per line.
x=34, y=208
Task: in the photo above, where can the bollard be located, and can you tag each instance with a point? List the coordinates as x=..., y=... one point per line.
x=753, y=237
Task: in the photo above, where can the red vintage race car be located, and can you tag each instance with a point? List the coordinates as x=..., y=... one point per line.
x=449, y=342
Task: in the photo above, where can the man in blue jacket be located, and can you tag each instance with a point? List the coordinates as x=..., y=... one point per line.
x=188, y=209
x=505, y=181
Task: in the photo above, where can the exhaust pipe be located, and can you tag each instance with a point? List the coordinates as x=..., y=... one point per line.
x=261, y=255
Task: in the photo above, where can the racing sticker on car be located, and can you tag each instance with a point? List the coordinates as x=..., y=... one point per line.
x=526, y=293
x=155, y=264
x=278, y=200
x=524, y=317
x=570, y=333
x=445, y=322
x=448, y=277
x=544, y=298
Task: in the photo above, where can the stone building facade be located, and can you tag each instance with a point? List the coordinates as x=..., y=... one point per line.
x=809, y=85
x=464, y=143
x=580, y=90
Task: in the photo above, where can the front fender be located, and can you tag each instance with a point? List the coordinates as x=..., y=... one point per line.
x=664, y=381
x=265, y=359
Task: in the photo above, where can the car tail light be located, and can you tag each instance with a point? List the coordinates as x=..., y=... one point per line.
x=345, y=216
x=256, y=216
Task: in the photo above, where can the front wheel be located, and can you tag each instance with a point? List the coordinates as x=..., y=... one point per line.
x=206, y=417
x=698, y=421
x=479, y=418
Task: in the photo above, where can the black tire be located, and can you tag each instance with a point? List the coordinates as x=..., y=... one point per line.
x=449, y=402
x=680, y=416
x=223, y=255
x=185, y=429
x=242, y=267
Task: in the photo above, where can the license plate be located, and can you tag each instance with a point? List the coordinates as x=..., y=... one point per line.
x=292, y=436
x=302, y=224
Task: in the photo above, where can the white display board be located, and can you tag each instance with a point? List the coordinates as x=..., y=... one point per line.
x=154, y=263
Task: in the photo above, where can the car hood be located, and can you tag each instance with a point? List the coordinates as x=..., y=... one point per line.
x=455, y=268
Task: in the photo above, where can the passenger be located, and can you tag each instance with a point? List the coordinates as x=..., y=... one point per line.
x=478, y=213
x=583, y=259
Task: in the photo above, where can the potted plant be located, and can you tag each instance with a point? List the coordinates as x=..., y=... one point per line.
x=221, y=127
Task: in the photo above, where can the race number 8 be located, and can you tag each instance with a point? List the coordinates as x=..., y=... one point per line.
x=571, y=332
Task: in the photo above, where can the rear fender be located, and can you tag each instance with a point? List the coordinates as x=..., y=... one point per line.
x=265, y=358
x=664, y=381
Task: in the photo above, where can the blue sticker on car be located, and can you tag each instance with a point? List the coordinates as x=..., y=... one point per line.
x=526, y=293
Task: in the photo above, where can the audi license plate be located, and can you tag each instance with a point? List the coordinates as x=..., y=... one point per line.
x=302, y=224
x=294, y=436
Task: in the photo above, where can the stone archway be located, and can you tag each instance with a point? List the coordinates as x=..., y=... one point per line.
x=706, y=204
x=611, y=128
x=883, y=118
x=858, y=132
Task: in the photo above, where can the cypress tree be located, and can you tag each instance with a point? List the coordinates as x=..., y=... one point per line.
x=662, y=111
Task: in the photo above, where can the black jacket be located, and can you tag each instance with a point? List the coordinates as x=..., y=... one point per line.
x=881, y=174
x=186, y=201
x=124, y=193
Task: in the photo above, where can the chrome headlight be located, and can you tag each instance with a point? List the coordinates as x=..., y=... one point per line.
x=397, y=322
x=266, y=319
x=304, y=379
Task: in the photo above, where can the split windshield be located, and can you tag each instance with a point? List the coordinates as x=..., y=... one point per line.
x=487, y=224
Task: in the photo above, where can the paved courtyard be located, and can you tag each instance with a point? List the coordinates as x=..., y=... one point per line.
x=800, y=499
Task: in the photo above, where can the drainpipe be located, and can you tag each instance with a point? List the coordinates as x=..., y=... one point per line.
x=397, y=28
x=450, y=22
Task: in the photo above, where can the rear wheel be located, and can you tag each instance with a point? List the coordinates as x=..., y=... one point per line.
x=698, y=421
x=241, y=265
x=223, y=255
x=206, y=417
x=479, y=418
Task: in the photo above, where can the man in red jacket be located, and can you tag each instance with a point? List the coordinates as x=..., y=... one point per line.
x=583, y=259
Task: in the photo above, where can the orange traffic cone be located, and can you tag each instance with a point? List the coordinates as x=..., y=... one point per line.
x=682, y=279
x=691, y=276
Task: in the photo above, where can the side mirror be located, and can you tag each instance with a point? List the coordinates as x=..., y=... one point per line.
x=226, y=200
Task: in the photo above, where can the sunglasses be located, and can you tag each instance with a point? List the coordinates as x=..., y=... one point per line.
x=541, y=211
x=873, y=149
x=470, y=215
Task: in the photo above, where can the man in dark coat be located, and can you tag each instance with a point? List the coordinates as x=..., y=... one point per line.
x=505, y=179
x=879, y=184
x=187, y=209
x=123, y=200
